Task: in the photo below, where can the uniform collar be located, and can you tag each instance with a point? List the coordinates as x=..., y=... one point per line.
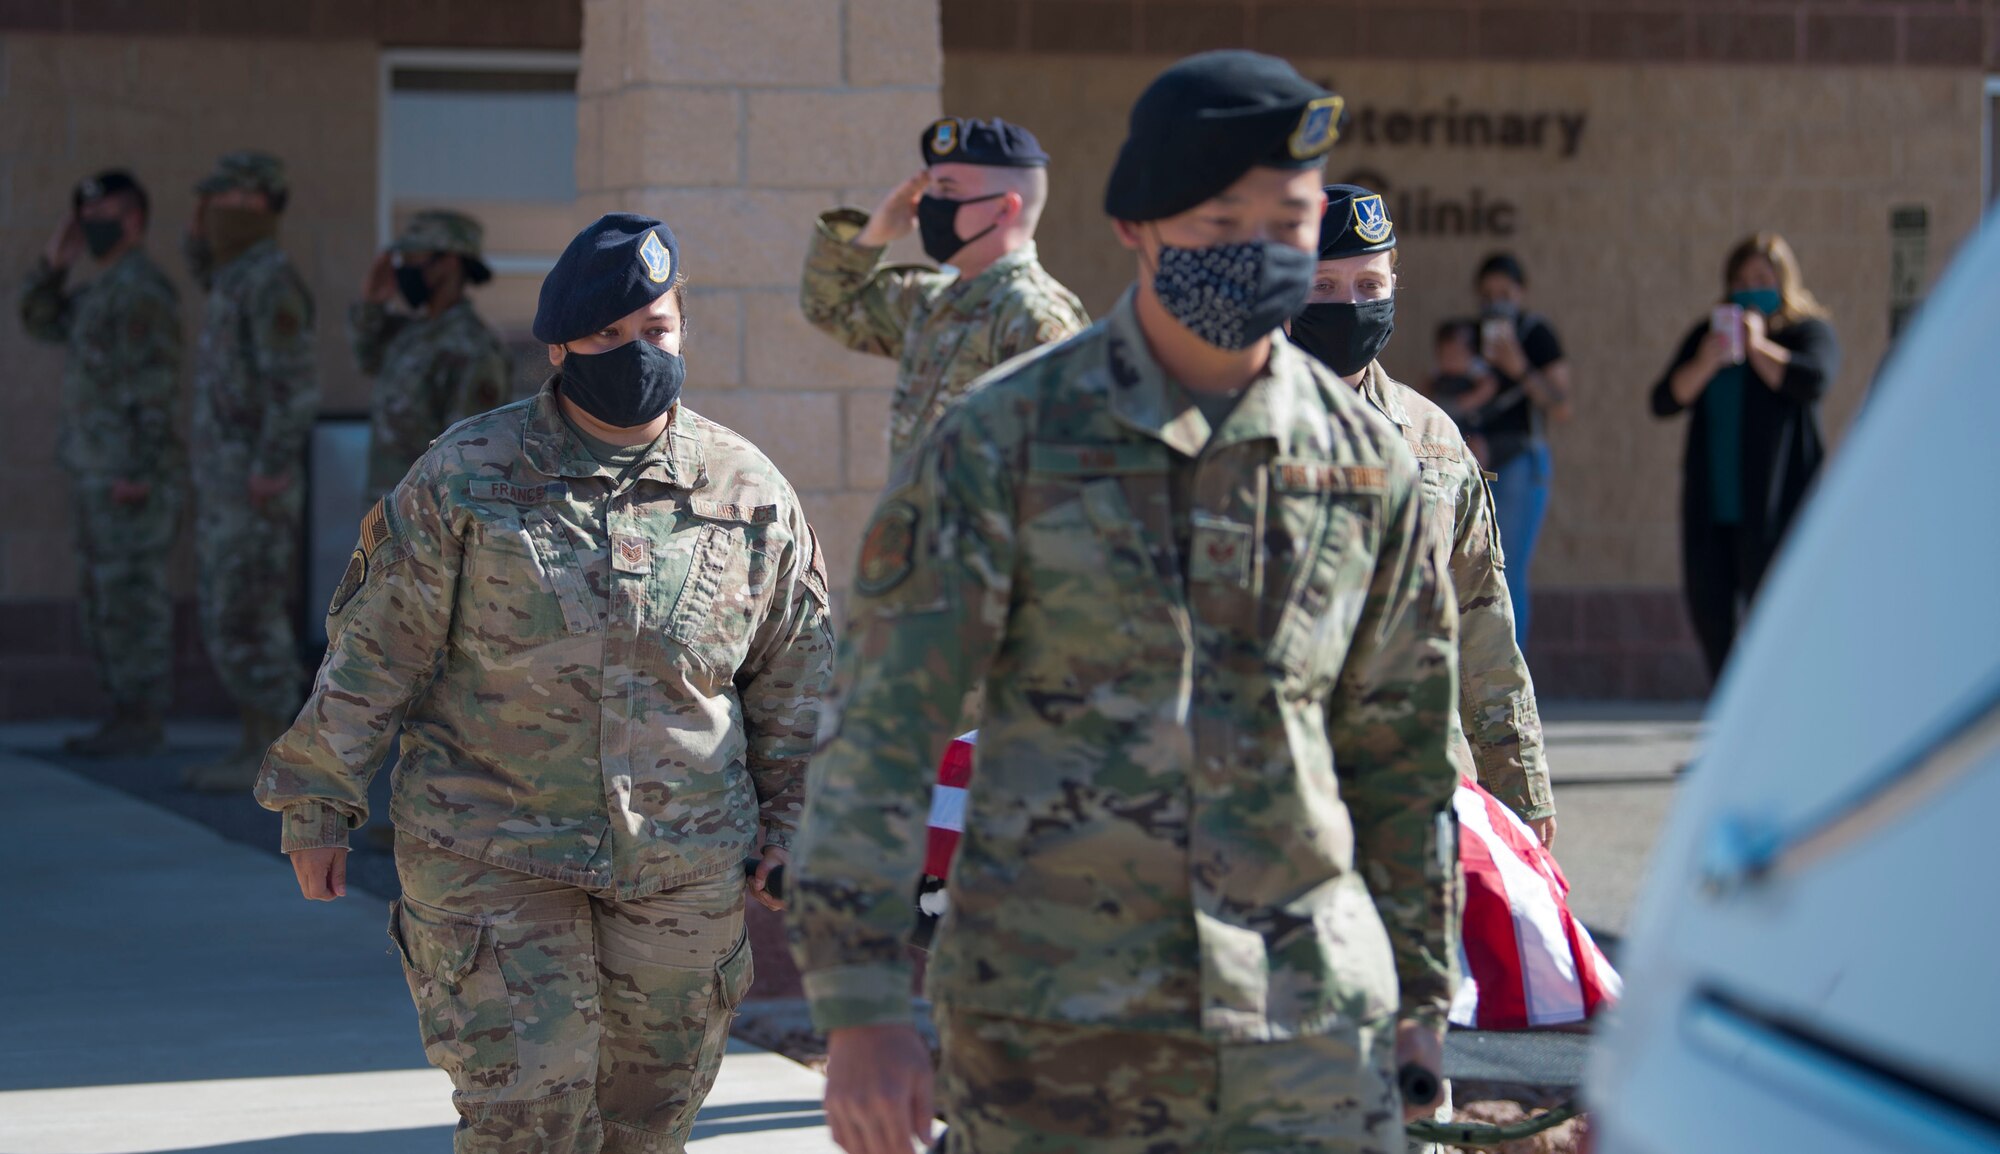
x=963, y=293
x=675, y=459
x=1144, y=399
x=1383, y=392
x=257, y=252
x=131, y=262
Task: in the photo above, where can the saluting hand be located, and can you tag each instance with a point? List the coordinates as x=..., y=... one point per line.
x=379, y=287
x=322, y=872
x=65, y=244
x=896, y=217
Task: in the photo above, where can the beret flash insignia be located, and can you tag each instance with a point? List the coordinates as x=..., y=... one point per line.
x=944, y=137
x=1319, y=127
x=1371, y=219
x=659, y=262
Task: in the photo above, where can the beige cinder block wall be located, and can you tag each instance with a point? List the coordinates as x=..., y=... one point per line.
x=736, y=122
x=166, y=107
x=1623, y=234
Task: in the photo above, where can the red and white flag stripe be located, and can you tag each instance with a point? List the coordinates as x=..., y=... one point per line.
x=1526, y=960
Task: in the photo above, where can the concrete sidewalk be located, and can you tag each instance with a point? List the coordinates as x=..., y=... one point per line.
x=167, y=990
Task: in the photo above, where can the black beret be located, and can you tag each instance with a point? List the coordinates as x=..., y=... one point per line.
x=993, y=143
x=1356, y=222
x=1209, y=119
x=105, y=184
x=615, y=267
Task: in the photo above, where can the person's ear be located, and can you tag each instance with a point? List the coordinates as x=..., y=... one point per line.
x=556, y=355
x=1010, y=207
x=1128, y=235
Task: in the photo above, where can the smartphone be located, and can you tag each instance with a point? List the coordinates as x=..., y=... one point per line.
x=1728, y=320
x=1493, y=332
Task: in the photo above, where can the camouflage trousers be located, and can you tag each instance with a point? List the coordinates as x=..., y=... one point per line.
x=570, y=1023
x=249, y=577
x=128, y=614
x=1010, y=1086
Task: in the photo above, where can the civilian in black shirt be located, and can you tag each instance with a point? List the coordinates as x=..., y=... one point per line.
x=1527, y=362
x=1753, y=441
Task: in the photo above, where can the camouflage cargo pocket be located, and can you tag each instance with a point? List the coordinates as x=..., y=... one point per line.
x=463, y=1010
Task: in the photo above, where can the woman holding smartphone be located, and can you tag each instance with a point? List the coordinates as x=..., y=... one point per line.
x=1753, y=372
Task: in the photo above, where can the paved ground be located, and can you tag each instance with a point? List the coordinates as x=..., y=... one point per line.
x=167, y=990
x=1613, y=768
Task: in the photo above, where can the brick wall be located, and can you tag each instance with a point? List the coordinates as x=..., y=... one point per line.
x=545, y=24
x=1926, y=33
x=163, y=87
x=736, y=122
x=1623, y=237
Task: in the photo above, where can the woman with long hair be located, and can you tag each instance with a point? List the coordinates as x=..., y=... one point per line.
x=1752, y=373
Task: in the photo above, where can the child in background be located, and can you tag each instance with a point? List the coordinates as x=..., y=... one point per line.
x=1461, y=384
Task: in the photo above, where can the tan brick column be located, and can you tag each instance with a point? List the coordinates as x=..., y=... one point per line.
x=736, y=122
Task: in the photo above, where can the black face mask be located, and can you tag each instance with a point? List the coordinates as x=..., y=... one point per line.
x=411, y=283
x=627, y=387
x=1345, y=337
x=101, y=236
x=937, y=224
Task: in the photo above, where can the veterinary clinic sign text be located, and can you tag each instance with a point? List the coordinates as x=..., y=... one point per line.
x=1418, y=209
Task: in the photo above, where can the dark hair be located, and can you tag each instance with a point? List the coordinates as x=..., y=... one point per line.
x=277, y=199
x=1504, y=263
x=1796, y=304
x=1457, y=329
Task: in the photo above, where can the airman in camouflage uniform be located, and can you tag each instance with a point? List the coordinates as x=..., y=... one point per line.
x=435, y=365
x=1203, y=890
x=1497, y=711
x=945, y=329
x=119, y=386
x=604, y=660
x=256, y=394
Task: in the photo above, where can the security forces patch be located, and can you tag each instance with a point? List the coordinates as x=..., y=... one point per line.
x=1371, y=219
x=374, y=534
x=350, y=582
x=659, y=262
x=1319, y=127
x=944, y=137
x=888, y=552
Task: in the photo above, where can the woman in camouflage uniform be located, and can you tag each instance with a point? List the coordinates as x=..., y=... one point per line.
x=598, y=622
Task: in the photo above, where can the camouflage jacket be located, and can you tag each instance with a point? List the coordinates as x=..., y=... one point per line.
x=606, y=677
x=122, y=378
x=1496, y=706
x=1194, y=792
x=945, y=332
x=430, y=373
x=256, y=384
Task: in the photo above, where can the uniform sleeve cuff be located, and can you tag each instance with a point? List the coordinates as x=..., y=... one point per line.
x=1432, y=1016
x=782, y=838
x=312, y=825
x=871, y=995
x=842, y=225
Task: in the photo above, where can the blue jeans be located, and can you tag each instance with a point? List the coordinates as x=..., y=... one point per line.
x=1520, y=501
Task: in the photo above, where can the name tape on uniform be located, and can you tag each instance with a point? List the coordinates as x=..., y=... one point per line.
x=1320, y=477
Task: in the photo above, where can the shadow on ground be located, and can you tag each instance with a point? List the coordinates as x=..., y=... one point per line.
x=156, y=780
